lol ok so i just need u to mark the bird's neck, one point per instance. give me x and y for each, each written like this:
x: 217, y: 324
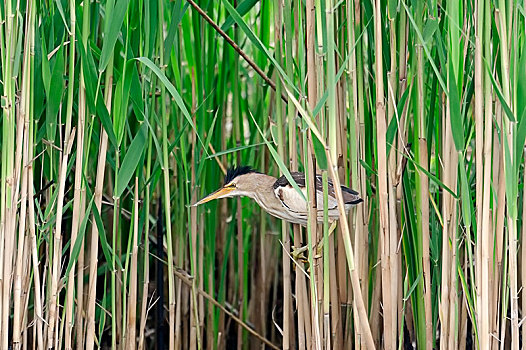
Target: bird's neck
x: 264, y: 185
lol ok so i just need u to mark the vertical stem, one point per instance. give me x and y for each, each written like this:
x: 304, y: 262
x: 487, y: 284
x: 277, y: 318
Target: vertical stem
x: 281, y: 151
x: 383, y: 200
x: 101, y: 165
x: 132, y: 296
x: 312, y: 84
x: 166, y: 188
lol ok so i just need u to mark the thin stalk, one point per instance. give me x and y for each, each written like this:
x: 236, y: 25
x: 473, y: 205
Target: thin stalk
x: 24, y: 111
x: 7, y: 176
x: 383, y: 200
x: 312, y: 234
x: 166, y: 191
x: 509, y: 130
x: 99, y: 183
x: 146, y: 263
x: 326, y: 258
x: 281, y: 152
x: 57, y: 242
x: 132, y: 296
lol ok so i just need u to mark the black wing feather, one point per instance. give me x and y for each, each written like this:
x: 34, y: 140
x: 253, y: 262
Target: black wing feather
x: 349, y: 196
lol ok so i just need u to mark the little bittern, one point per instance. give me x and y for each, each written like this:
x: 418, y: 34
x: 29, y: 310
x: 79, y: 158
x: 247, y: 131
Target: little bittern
x: 277, y: 196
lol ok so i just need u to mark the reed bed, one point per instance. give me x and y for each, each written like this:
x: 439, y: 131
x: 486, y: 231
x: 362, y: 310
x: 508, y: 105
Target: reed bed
x: 117, y: 115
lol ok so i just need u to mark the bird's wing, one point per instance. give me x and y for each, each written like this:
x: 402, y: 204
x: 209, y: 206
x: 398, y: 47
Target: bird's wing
x: 288, y: 196
x: 288, y: 192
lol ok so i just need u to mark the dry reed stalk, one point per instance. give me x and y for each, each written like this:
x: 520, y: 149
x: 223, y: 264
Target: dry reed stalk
x: 312, y: 99
x: 336, y: 331
x: 132, y: 296
x: 278, y: 39
x: 401, y: 137
x: 462, y: 327
x: 38, y: 315
x: 26, y: 285
x: 17, y: 283
x: 7, y: 149
x: 340, y: 293
x: 146, y: 266
x: 316, y: 340
x: 24, y: 111
x: 424, y: 201
x: 57, y: 243
x: 500, y: 204
x: 483, y: 118
x: 362, y: 312
x: 94, y: 240
x: 392, y: 183
x: 509, y: 131
x: 77, y: 217
x: 81, y: 192
x: 197, y: 254
x: 166, y: 191
x: 446, y: 214
x: 481, y: 256
x: 293, y: 166
x: 453, y: 297
x: 383, y: 198
x: 357, y: 172
x: 449, y: 287
x: 321, y: 119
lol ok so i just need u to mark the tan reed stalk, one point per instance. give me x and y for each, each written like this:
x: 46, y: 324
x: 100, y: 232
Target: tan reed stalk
x: 132, y: 295
x: 38, y: 314
x: 483, y: 157
x: 166, y: 189
x: 146, y: 266
x: 79, y: 193
x: 446, y: 214
x: 356, y: 147
x: 483, y: 319
x: 293, y: 166
x: 423, y: 201
x: 57, y: 244
x: 488, y: 222
x: 278, y: 39
x: 195, y: 248
x: 383, y: 199
x: 94, y: 240
x: 500, y: 204
x: 350, y: 261
x: 24, y: 117
x: 509, y: 130
x: 312, y: 99
x: 392, y: 183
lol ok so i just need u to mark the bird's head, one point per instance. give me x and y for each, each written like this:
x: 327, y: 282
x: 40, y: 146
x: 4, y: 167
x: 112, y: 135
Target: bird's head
x: 239, y: 181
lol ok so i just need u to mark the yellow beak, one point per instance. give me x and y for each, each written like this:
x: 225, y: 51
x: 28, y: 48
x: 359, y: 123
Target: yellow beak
x: 220, y: 193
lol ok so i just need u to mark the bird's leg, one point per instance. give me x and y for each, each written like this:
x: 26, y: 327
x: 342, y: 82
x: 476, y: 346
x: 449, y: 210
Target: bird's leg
x: 297, y: 253
x: 319, y: 246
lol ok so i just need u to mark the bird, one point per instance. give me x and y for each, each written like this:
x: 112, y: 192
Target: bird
x: 278, y: 197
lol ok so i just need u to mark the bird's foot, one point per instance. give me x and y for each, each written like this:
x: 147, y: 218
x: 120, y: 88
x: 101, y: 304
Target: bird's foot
x: 297, y: 253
